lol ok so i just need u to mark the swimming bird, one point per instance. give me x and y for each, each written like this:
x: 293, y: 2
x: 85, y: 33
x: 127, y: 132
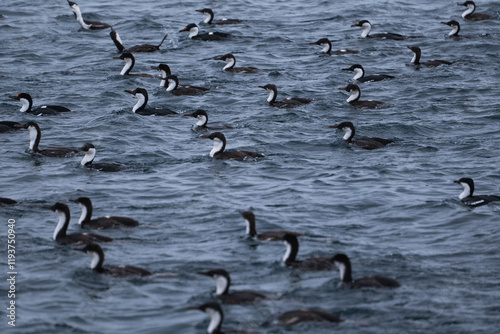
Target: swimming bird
x: 251, y: 230
x: 306, y: 315
x: 35, y: 136
x: 201, y: 124
x: 468, y: 14
x: 4, y: 201
x: 327, y: 47
x: 430, y: 63
x: 209, y: 36
x: 88, y: 160
x: 164, y: 70
x: 27, y: 106
x: 100, y: 223
x: 360, y: 74
x: 9, y: 126
x: 223, y: 282
x: 311, y: 264
x: 97, y: 254
x: 86, y: 24
x: 142, y: 101
x: 455, y: 28
x: 172, y: 85
x: 290, y: 102
x: 209, y: 18
x: 231, y: 61
x: 343, y: 263
x: 129, y: 60
x: 367, y: 27
x: 467, y: 196
x: 60, y: 235
x: 216, y: 315
x: 138, y: 48
x: 218, y: 152
x: 353, y: 99
x: 366, y: 143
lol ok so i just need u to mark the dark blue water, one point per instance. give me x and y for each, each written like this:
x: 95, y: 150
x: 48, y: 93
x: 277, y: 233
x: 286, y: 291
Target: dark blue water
x: 394, y: 211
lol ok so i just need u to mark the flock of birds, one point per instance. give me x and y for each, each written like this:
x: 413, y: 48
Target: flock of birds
x: 171, y: 84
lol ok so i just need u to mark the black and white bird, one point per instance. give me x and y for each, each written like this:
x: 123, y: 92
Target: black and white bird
x: 311, y: 264
x: 135, y: 49
x: 214, y: 311
x: 467, y: 196
x: 306, y: 315
x: 35, y: 136
x: 367, y: 27
x: 455, y: 28
x: 231, y: 61
x: 97, y: 254
x: 60, y: 234
x: 251, y: 230
x: 86, y: 24
x: 209, y: 36
x: 129, y: 60
x: 430, y: 63
x: 218, y: 152
x: 327, y: 47
x: 141, y: 107
x: 27, y: 106
x: 354, y: 100
x: 209, y: 18
x: 366, y: 143
x: 164, y: 70
x: 290, y: 102
x: 223, y: 282
x: 6, y: 126
x: 468, y: 14
x: 201, y: 125
x: 359, y: 74
x: 100, y: 223
x: 88, y: 160
x: 172, y: 85
x: 343, y: 264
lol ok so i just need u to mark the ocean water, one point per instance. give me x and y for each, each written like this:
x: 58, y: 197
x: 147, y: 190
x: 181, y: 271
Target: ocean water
x: 394, y: 211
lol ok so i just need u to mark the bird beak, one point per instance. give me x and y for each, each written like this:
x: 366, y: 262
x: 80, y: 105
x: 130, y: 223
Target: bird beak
x: 46, y: 207
x: 116, y: 58
x: 155, y: 68
x: 13, y: 96
x: 334, y: 127
x: 346, y: 69
x: 355, y: 25
x: 19, y: 126
x: 192, y: 308
x: 79, y: 249
x: 206, y: 137
x: 203, y: 273
x: 185, y: 29
x: 443, y: 23
x: 261, y: 87
x: 313, y: 43
x: 409, y: 47
x: 342, y: 88
x: 456, y: 181
x: 73, y: 200
x: 130, y: 91
x: 218, y: 58
x: 188, y: 115
x: 79, y: 149
x: 199, y: 10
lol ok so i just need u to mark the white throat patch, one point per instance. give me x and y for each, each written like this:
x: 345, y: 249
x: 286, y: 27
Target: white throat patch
x: 367, y: 27
x: 128, y: 65
x: 88, y: 157
x: 221, y: 284
x: 193, y: 32
x: 33, y: 134
x: 171, y: 85
x: 95, y: 259
x: 201, y: 120
x: 140, y: 102
x: 60, y: 223
x: 217, y: 146
x: 215, y: 319
x: 466, y: 192
x: 354, y: 95
x: 25, y: 106
x: 341, y: 268
x: 230, y: 63
x: 359, y: 73
x: 288, y: 251
x: 348, y: 133
x: 84, y: 213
